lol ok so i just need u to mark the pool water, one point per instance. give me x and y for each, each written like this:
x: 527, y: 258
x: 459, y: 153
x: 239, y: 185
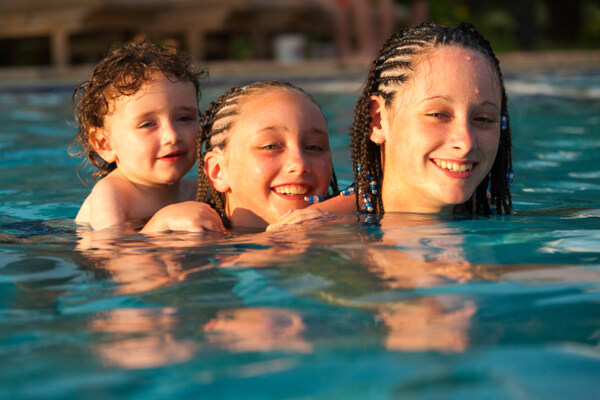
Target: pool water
x: 419, y: 307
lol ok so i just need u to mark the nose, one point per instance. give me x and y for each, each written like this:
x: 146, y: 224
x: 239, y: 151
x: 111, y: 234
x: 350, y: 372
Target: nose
x: 297, y: 161
x: 170, y: 133
x: 463, y: 136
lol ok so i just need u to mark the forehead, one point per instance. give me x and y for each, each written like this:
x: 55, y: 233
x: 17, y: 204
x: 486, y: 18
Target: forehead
x: 156, y: 83
x: 274, y: 95
x: 454, y: 69
x: 445, y: 64
x: 280, y: 104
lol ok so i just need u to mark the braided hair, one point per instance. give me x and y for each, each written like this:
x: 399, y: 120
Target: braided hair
x: 215, y: 125
x: 393, y: 66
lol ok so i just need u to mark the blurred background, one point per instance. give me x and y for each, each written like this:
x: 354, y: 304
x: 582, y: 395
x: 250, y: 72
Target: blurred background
x: 60, y: 35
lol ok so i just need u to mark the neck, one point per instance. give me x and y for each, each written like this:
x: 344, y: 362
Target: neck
x: 244, y: 220
x: 159, y: 194
x: 394, y: 200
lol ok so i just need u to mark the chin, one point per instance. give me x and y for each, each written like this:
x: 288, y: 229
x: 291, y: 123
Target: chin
x: 457, y: 199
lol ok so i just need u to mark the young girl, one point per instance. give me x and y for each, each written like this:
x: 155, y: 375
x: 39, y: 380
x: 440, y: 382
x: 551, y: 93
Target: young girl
x: 264, y: 148
x: 137, y: 122
x: 431, y: 132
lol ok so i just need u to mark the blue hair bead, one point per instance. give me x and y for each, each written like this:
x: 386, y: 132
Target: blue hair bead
x: 372, y: 184
x: 367, y: 202
x: 504, y: 121
x: 314, y: 199
x: 510, y: 175
x: 348, y: 191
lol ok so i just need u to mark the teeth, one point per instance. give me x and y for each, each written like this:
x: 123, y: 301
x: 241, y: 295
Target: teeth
x: 291, y: 190
x: 453, y: 167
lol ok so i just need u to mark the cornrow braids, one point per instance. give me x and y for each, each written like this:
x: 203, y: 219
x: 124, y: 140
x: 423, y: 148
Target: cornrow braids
x: 122, y: 72
x: 218, y: 120
x: 394, y: 65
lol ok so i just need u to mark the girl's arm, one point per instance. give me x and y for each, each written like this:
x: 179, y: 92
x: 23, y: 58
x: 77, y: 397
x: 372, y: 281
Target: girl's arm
x: 338, y: 205
x: 191, y: 216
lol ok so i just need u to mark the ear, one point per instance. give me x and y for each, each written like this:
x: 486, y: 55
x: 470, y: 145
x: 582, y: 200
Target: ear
x: 100, y: 141
x: 215, y: 171
x: 378, y: 114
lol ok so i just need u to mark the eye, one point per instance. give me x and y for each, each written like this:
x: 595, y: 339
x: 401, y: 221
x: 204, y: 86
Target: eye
x: 316, y: 147
x: 438, y: 115
x: 485, y: 119
x: 147, y: 124
x: 270, y: 146
x: 185, y: 118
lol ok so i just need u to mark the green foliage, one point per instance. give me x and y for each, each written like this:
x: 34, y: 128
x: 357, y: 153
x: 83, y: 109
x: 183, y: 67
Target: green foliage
x: 518, y: 24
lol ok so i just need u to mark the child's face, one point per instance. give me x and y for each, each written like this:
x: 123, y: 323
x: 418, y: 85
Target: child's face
x: 442, y: 133
x: 277, y: 153
x: 151, y: 135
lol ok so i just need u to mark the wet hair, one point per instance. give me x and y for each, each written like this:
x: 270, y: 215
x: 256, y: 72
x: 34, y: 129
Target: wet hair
x: 216, y: 123
x: 122, y: 72
x: 394, y: 65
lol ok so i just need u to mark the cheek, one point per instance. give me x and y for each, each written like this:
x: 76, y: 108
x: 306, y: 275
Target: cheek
x: 250, y: 171
x: 324, y: 169
x: 490, y: 145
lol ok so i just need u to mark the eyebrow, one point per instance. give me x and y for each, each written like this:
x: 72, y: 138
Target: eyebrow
x: 190, y: 108
x: 178, y: 108
x: 448, y: 99
x: 275, y: 128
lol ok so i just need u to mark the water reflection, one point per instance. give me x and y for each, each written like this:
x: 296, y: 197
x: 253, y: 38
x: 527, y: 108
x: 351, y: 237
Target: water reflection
x: 258, y: 329
x: 406, y: 278
x: 140, y: 338
x: 145, y: 336
x: 414, y: 252
x: 428, y: 324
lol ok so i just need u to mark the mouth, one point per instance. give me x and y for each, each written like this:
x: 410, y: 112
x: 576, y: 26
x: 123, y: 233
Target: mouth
x: 175, y: 156
x: 454, y: 166
x: 292, y: 190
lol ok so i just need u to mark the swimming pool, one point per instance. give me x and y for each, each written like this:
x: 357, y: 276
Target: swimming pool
x: 406, y: 307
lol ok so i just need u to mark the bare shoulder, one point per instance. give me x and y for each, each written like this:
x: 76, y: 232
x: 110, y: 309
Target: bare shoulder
x: 108, y: 203
x: 83, y: 215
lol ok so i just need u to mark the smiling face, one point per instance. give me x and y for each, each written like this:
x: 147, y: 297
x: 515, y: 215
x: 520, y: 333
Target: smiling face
x: 440, y: 135
x: 151, y: 135
x: 277, y: 153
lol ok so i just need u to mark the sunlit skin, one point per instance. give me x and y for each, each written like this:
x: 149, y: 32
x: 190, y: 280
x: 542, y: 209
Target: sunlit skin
x: 152, y: 133
x: 440, y: 136
x: 277, y: 153
x: 151, y: 136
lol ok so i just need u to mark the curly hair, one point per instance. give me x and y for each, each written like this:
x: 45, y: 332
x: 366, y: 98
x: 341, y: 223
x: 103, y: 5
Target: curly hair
x: 393, y: 66
x: 218, y: 119
x: 122, y: 72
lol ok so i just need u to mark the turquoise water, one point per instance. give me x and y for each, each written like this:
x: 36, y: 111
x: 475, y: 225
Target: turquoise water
x: 405, y: 307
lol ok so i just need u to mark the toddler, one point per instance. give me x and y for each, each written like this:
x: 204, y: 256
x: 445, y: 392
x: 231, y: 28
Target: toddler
x: 137, y: 121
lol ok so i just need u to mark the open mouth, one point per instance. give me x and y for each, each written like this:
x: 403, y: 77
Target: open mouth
x: 292, y: 190
x: 454, y: 167
x: 173, y: 156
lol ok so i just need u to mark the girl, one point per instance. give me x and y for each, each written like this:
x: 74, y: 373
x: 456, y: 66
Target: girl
x: 264, y: 148
x: 431, y: 132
